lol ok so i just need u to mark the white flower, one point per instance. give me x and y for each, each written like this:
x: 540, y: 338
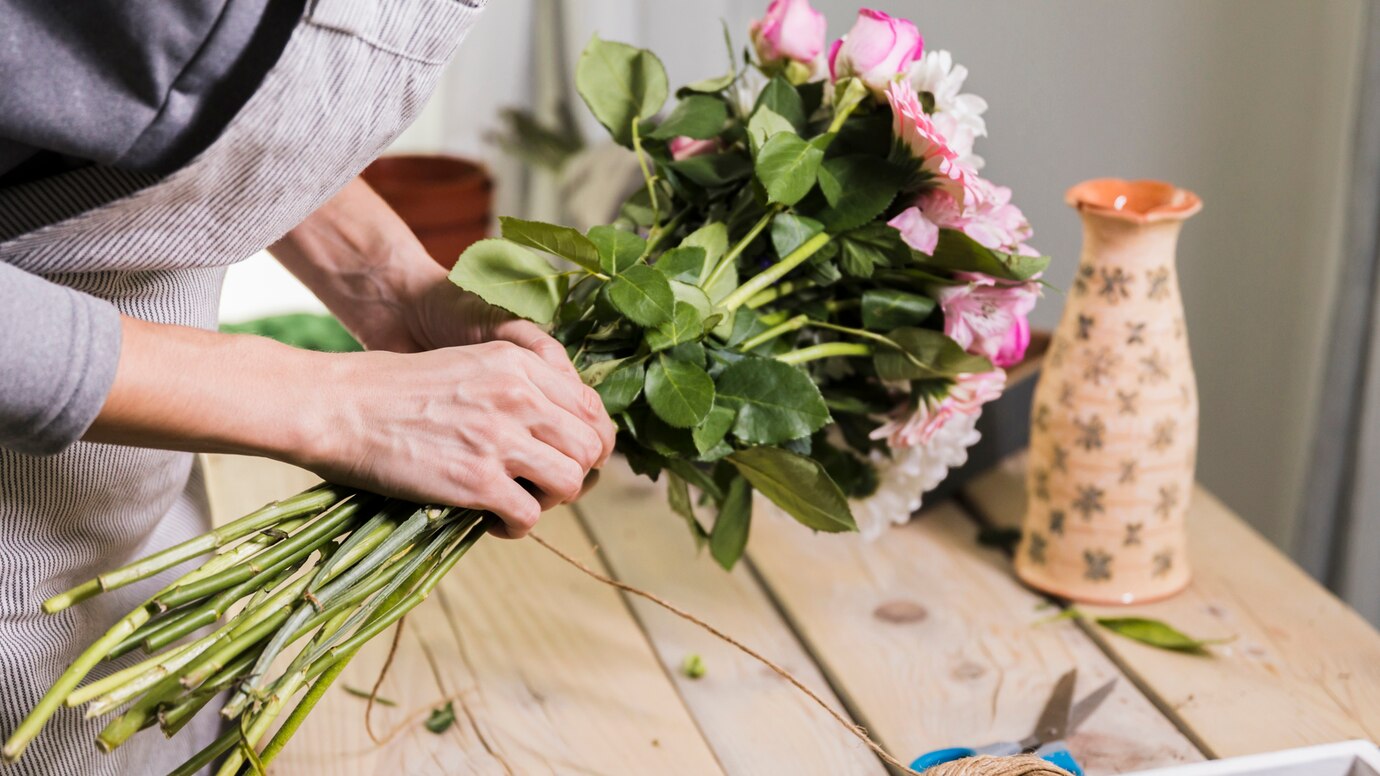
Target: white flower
x: 958, y: 116
x: 909, y: 472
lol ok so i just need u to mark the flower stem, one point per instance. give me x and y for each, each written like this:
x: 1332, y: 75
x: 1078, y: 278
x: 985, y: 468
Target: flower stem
x: 793, y: 324
x: 646, y: 174
x: 776, y: 292
x: 775, y: 272
x: 733, y: 253
x: 659, y: 233
x: 826, y: 350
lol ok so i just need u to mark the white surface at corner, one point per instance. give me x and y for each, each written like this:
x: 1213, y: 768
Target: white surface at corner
x: 259, y: 286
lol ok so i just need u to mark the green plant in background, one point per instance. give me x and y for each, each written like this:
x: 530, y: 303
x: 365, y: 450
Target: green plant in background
x: 310, y: 331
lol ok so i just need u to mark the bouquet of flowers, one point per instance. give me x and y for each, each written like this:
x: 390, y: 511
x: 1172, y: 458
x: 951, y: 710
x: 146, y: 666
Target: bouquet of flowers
x: 811, y: 298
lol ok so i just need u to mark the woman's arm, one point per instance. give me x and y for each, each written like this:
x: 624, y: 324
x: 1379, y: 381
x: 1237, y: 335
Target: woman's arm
x: 359, y: 258
x: 455, y: 425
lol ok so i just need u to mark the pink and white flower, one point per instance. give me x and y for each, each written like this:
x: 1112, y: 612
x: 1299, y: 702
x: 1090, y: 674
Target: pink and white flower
x: 989, y: 318
x: 877, y: 50
x: 921, y: 140
x: 914, y: 427
x: 989, y: 218
x: 790, y: 31
x: 958, y: 116
x: 682, y: 147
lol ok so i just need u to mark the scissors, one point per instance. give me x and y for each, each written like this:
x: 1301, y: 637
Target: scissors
x: 1059, y: 719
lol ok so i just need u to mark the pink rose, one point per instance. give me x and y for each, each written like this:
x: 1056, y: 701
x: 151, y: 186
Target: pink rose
x: 980, y: 314
x: 683, y: 147
x: 967, y: 394
x: 791, y: 29
x: 876, y: 50
x: 916, y: 137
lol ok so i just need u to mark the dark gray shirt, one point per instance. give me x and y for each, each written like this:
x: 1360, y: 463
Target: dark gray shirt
x: 135, y: 85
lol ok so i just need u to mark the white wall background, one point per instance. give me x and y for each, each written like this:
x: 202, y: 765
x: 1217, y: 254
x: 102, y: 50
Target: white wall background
x: 1247, y: 102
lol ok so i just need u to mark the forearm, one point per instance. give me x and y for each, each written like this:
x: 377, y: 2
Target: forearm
x: 364, y: 263
x: 180, y: 388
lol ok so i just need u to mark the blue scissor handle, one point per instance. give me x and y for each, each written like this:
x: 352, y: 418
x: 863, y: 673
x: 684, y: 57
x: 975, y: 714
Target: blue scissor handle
x: 1056, y: 753
x: 941, y: 756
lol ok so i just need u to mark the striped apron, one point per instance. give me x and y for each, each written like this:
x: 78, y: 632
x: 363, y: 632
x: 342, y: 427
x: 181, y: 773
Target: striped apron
x: 353, y: 74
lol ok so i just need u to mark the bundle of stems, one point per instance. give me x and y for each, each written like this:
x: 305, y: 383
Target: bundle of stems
x: 312, y: 577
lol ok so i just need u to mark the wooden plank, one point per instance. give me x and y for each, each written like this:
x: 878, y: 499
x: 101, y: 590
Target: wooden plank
x: 932, y: 643
x: 1304, y: 668
x: 755, y: 721
x: 547, y: 669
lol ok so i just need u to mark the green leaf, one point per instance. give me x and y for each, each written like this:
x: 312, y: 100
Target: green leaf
x: 508, y: 275
x: 1154, y: 633
x: 729, y: 537
x: 617, y: 249
x: 957, y: 251
x: 697, y: 116
x: 621, y: 84
x: 775, y: 402
x: 692, y: 666
x: 713, y: 238
x: 711, y: 85
x: 597, y: 372
x: 782, y: 99
x: 866, y: 247
x: 858, y: 188
x: 678, y: 498
x: 798, y: 485
x: 925, y: 354
x: 682, y: 263
x: 709, y: 434
x: 693, y: 296
x: 884, y: 309
x: 713, y: 171
x: 790, y: 231
x: 557, y: 240
x: 787, y: 167
x: 620, y: 388
x: 679, y: 392
x: 765, y: 123
x: 441, y: 719
x: 686, y: 325
x: 643, y: 295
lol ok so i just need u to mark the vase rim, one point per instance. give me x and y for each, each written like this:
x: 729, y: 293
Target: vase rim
x: 1139, y: 201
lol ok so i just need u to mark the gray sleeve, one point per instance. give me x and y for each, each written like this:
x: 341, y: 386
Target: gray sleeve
x: 58, y: 353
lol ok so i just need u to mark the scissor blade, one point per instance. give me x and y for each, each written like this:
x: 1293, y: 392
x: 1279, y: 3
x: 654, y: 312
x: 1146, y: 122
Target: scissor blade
x: 1054, y: 720
x: 1085, y: 707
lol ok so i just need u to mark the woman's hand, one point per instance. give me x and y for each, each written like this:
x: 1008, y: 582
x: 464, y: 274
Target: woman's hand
x: 461, y: 426
x: 457, y: 425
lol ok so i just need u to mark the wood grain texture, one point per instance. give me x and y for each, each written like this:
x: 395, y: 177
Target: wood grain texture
x: 239, y: 484
x: 932, y: 643
x: 755, y: 721
x: 1303, y: 668
x: 547, y: 669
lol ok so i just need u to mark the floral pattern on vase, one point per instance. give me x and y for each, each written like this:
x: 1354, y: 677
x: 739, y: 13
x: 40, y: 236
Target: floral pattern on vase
x: 1114, y: 423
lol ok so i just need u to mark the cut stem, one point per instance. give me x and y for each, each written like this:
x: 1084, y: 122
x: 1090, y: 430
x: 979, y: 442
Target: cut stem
x: 826, y: 350
x: 775, y: 272
x: 794, y: 324
x: 732, y: 255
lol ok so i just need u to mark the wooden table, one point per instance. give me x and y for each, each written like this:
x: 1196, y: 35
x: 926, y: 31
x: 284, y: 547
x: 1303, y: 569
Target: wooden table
x: 924, y: 637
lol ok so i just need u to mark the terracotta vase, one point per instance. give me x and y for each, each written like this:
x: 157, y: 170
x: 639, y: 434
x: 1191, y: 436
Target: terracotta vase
x: 446, y: 200
x: 1114, y: 423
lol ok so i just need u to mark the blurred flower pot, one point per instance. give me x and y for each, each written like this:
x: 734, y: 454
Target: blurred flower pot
x: 446, y: 200
x: 1114, y: 427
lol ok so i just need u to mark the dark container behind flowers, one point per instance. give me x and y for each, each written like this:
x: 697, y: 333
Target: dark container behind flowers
x: 1004, y: 424
x: 446, y: 200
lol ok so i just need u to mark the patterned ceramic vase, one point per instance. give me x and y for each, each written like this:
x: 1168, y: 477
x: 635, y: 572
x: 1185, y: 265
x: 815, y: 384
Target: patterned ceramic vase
x: 1114, y: 424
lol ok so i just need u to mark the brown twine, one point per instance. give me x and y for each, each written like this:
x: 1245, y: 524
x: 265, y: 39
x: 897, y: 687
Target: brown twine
x: 1017, y: 765
x: 848, y: 725
x: 383, y: 672
x: 986, y: 765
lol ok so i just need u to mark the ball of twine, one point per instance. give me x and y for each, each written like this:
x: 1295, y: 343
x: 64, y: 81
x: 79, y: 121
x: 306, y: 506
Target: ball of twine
x: 986, y: 765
